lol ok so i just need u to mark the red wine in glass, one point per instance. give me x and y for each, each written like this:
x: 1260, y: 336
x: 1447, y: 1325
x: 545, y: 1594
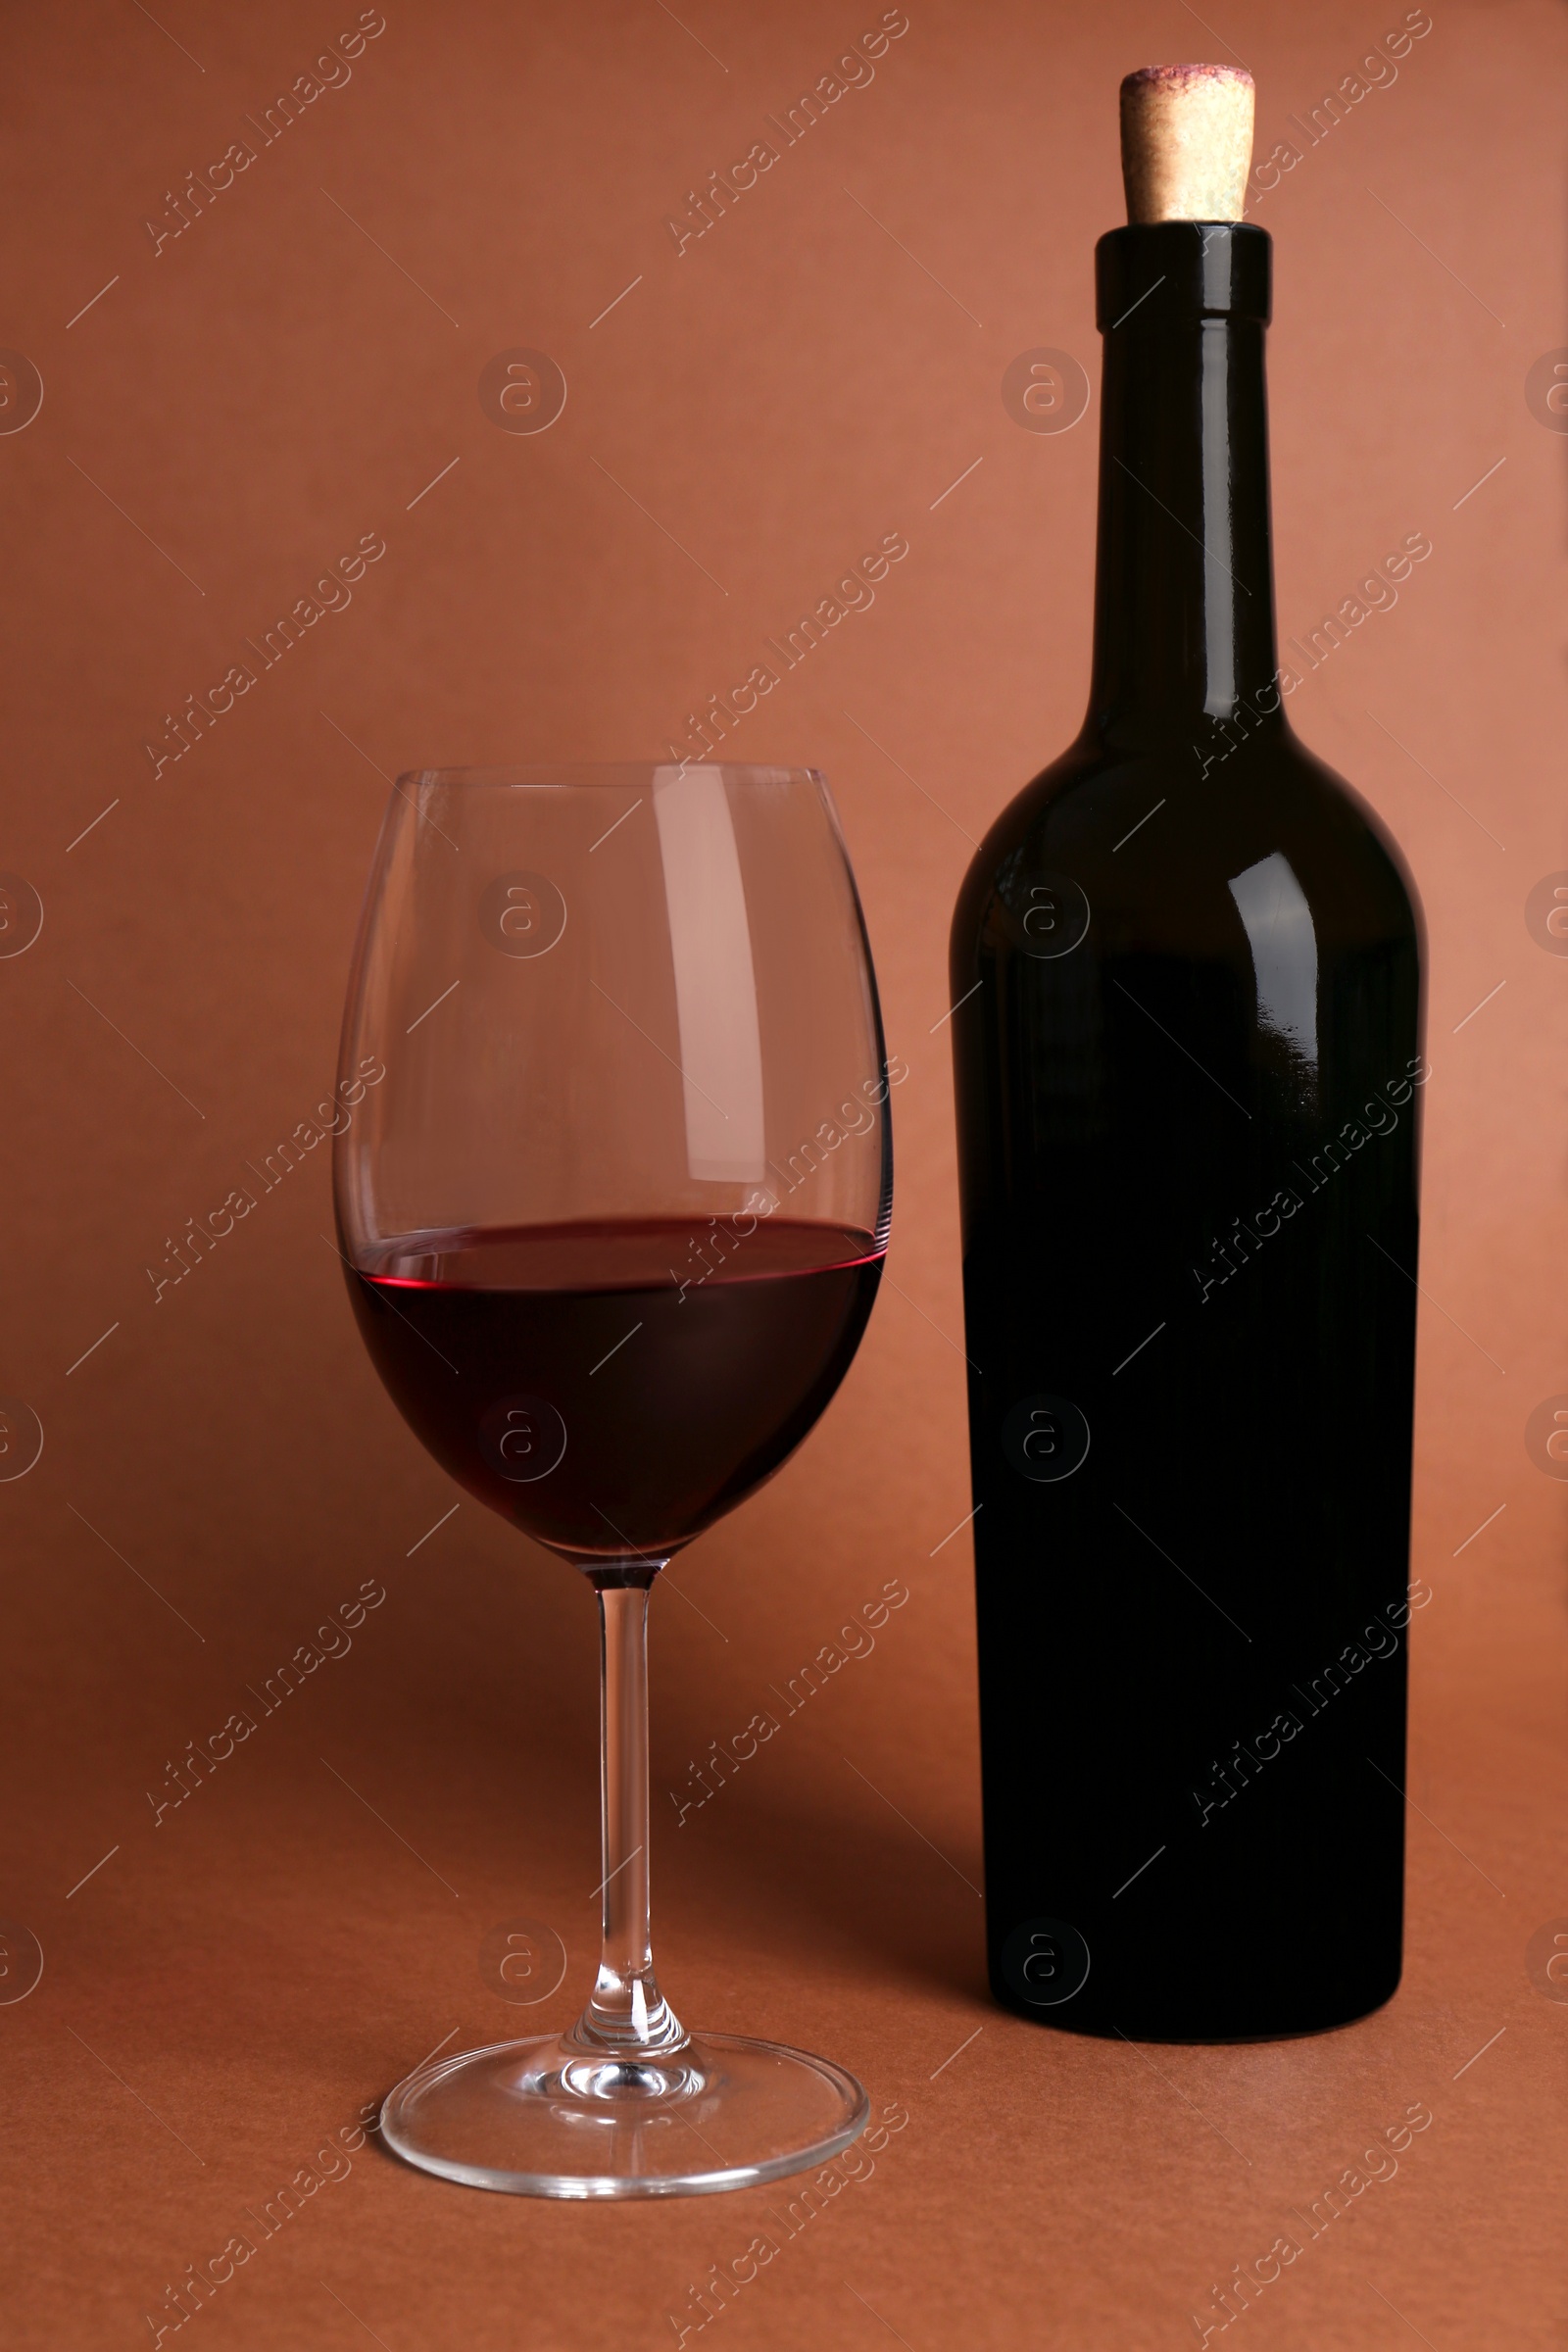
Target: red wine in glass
x: 614, y: 1220
x: 576, y: 1379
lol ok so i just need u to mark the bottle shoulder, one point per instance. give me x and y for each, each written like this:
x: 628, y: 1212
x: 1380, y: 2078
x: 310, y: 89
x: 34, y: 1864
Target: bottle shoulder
x: 1157, y: 841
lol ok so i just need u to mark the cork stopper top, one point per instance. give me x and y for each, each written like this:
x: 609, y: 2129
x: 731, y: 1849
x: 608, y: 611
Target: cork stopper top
x: 1186, y: 143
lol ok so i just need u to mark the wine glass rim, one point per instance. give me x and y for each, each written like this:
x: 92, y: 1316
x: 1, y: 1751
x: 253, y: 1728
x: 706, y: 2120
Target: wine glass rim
x: 569, y: 775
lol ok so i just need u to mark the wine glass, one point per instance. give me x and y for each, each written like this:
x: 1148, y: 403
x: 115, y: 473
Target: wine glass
x: 614, y: 1203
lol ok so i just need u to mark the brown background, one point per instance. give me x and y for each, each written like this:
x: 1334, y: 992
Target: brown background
x: 235, y: 1983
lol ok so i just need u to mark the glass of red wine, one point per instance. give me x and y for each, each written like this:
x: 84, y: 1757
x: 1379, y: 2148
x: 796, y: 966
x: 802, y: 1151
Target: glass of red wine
x: 614, y: 1211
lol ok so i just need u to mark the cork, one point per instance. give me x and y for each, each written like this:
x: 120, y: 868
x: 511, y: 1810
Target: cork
x: 1186, y: 143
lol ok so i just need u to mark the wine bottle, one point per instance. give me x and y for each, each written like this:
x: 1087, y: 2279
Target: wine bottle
x: 1186, y: 964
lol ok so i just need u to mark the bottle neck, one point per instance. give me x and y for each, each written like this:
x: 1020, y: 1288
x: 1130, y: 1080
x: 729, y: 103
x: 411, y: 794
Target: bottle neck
x: 1184, y: 600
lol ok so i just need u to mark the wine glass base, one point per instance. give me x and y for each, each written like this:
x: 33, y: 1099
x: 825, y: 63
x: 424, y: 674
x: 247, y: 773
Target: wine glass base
x: 545, y: 2117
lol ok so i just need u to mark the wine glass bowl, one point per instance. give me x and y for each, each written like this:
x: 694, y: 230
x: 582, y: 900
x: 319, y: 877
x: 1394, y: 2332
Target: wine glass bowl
x: 614, y: 1223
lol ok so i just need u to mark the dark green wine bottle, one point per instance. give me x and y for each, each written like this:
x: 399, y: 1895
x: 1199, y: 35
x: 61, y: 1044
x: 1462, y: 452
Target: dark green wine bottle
x: 1188, y: 1063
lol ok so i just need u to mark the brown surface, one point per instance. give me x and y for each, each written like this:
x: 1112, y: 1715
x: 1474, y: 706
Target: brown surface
x: 783, y: 392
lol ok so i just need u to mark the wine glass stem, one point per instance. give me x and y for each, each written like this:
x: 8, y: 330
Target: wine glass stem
x: 626, y: 2012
